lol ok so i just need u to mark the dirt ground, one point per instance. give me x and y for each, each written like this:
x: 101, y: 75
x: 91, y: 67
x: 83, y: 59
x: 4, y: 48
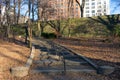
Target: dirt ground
x: 11, y: 55
x: 99, y: 51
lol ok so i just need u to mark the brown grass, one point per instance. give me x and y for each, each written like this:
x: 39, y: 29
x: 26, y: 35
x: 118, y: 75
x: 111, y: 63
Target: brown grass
x: 11, y: 55
x: 97, y: 50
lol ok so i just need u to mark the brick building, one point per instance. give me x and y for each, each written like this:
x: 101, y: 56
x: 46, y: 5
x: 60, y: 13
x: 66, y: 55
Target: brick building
x: 58, y: 9
x: 62, y: 9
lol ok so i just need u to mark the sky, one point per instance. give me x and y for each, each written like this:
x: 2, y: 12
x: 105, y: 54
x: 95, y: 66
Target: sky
x: 115, y: 6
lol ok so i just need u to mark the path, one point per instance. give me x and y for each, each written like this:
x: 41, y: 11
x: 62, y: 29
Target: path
x: 51, y: 57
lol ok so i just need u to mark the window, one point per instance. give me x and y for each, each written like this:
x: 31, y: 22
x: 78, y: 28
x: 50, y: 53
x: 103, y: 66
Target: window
x: 86, y: 0
x: 99, y: 2
x: 76, y: 4
x: 93, y: 7
x: 76, y: 8
x: 98, y: 10
x: 93, y: 11
x: 87, y: 11
x: 99, y: 6
x: 87, y: 3
x: 87, y: 7
x: 93, y: 3
x: 104, y: 2
x: 104, y: 10
x: 104, y: 6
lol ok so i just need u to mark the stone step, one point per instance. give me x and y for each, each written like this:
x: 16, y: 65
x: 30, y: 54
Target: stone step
x: 71, y: 62
x: 55, y: 61
x: 43, y: 57
x: 62, y: 70
x: 44, y: 53
x: 71, y: 57
x: 55, y: 57
x: 49, y: 62
x: 46, y: 56
x: 47, y: 67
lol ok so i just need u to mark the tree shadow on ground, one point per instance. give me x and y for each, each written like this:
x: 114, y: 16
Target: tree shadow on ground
x: 114, y: 76
x: 8, y: 57
x: 99, y: 43
x: 10, y: 49
x: 18, y: 42
x: 80, y: 76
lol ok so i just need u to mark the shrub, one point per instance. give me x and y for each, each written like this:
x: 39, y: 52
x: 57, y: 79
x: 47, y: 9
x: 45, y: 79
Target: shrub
x: 48, y: 35
x: 117, y: 30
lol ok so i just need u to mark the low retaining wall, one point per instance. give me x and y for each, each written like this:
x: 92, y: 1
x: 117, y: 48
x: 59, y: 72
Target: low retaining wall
x: 23, y: 71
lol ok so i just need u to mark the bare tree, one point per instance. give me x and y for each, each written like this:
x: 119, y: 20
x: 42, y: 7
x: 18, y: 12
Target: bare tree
x: 15, y: 4
x: 55, y: 25
x: 81, y: 4
x: 0, y: 13
x: 45, y: 11
x: 19, y: 8
x: 7, y: 8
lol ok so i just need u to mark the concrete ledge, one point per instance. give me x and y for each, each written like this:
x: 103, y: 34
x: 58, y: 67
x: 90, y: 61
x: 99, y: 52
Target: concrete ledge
x: 61, y: 70
x: 107, y: 69
x: 23, y: 71
x: 30, y: 59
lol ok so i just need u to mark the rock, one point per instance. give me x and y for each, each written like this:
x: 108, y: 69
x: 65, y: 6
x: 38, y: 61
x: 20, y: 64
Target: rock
x: 19, y: 71
x: 43, y: 57
x: 55, y: 57
x: 44, y: 53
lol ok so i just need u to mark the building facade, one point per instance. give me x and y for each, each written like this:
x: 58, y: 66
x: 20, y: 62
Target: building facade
x: 2, y: 13
x: 62, y: 9
x: 96, y: 8
x: 59, y: 10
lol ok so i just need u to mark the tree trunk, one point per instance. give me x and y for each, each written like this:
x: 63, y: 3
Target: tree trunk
x: 8, y: 32
x: 82, y: 11
x: 30, y: 34
x: 26, y: 34
x: 69, y: 32
x: 33, y: 10
x: 14, y: 11
x: 19, y: 6
x: 39, y: 29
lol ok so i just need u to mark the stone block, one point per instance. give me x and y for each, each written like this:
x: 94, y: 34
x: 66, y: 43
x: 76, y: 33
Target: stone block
x: 19, y: 71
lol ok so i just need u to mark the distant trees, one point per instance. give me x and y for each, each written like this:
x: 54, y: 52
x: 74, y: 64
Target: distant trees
x: 10, y: 18
x: 45, y: 11
x: 56, y: 25
x: 112, y: 23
